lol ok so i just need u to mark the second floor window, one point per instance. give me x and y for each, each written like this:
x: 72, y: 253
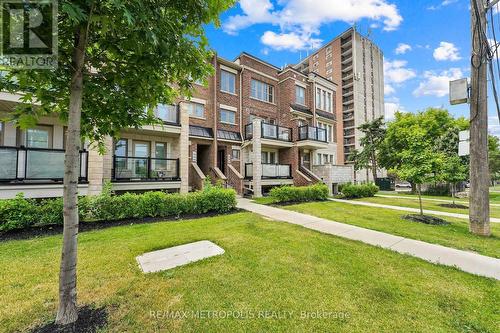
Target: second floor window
x: 300, y: 95
x: 262, y: 91
x: 329, y: 131
x: 227, y: 116
x: 196, y: 110
x: 227, y: 82
x: 167, y: 113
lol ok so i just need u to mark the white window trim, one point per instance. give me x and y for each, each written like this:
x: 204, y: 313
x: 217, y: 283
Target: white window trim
x: 226, y: 122
x: 229, y: 69
x: 228, y: 107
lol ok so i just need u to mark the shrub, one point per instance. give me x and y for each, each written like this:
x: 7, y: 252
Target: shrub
x: 438, y: 189
x: 352, y: 191
x: 300, y: 193
x: 20, y: 212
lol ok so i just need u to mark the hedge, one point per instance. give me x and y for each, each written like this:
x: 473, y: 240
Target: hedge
x: 21, y: 213
x: 285, y: 194
x: 352, y: 191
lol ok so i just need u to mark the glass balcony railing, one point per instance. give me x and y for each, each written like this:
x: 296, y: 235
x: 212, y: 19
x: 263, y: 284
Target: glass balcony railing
x: 307, y: 132
x: 270, y: 131
x: 145, y: 168
x: 20, y: 164
x: 270, y: 171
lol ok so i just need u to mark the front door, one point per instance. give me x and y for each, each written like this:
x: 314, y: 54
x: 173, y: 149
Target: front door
x: 141, y: 154
x: 305, y: 159
x: 221, y: 160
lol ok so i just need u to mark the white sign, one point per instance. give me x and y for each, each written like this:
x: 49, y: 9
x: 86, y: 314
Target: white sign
x: 464, y: 135
x: 464, y: 144
x: 459, y: 91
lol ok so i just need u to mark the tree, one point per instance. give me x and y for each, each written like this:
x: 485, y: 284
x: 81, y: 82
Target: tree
x: 358, y: 162
x: 117, y: 60
x: 374, y: 134
x: 494, y: 157
x: 453, y: 171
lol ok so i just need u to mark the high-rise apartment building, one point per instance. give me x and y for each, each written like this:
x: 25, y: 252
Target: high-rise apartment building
x: 355, y: 64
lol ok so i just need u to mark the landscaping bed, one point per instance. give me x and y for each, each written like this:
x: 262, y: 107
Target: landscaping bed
x: 425, y: 219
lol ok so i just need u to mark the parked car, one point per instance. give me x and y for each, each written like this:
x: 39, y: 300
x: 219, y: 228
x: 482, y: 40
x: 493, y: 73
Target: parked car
x: 403, y: 184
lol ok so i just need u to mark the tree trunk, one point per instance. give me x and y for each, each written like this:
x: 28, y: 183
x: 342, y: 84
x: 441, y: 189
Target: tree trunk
x: 374, y: 168
x: 419, y: 190
x: 453, y: 190
x: 68, y: 312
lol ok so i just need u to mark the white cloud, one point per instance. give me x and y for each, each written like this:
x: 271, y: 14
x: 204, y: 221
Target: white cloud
x: 442, y: 4
x: 446, y: 51
x: 437, y: 84
x: 396, y: 71
x: 494, y: 126
x: 305, y: 17
x: 391, y: 107
x: 388, y: 89
x: 402, y: 48
x: 289, y: 41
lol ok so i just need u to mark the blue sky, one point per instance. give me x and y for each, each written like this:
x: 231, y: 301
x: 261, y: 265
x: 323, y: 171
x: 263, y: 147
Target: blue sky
x: 425, y: 43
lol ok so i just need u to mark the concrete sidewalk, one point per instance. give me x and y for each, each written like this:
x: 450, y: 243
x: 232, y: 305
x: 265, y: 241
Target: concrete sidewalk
x: 466, y: 261
x: 408, y: 209
x: 428, y: 199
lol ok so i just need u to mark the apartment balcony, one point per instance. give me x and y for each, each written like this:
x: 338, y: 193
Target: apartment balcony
x: 144, y: 169
x: 169, y: 115
x: 271, y: 135
x: 348, y: 115
x: 347, y: 84
x: 348, y: 133
x: 311, y: 137
x: 345, y: 43
x: 346, y: 53
x: 348, y: 101
x: 346, y: 60
x: 347, y: 92
x: 349, y: 124
x: 347, y: 69
x: 20, y: 165
x: 270, y: 171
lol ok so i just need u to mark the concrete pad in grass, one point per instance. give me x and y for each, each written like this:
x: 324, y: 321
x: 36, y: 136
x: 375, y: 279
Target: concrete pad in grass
x: 177, y: 256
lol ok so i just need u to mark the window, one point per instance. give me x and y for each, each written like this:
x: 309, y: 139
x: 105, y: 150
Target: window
x: 39, y: 137
x: 300, y: 95
x: 329, y: 131
x: 227, y: 82
x: 324, y: 100
x: 268, y: 157
x: 167, y: 113
x: 141, y: 149
x: 121, y: 147
x: 227, y: 116
x: 160, y: 150
x: 235, y: 154
x: 262, y: 91
x: 196, y: 110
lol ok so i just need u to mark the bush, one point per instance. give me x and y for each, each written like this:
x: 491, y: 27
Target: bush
x: 438, y: 189
x: 299, y: 193
x: 352, y: 191
x: 20, y: 212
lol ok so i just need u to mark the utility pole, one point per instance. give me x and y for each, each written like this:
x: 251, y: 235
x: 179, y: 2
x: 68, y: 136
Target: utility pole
x: 479, y: 206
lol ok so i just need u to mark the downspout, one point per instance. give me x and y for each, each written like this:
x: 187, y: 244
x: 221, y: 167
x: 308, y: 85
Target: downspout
x: 241, y: 103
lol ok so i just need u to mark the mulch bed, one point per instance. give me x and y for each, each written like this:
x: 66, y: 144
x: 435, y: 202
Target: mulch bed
x: 426, y: 219
x: 451, y: 205
x: 89, y: 320
x: 49, y: 230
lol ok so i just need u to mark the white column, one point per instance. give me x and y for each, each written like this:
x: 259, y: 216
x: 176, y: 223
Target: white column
x: 257, y: 158
x: 184, y: 148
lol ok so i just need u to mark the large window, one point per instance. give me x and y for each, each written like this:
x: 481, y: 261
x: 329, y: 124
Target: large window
x: 167, y: 113
x: 268, y: 157
x: 227, y: 81
x: 262, y: 91
x: 39, y: 137
x: 329, y: 131
x: 227, y: 116
x: 324, y: 100
x: 196, y: 110
x: 160, y: 150
x: 121, y: 147
x: 300, y: 95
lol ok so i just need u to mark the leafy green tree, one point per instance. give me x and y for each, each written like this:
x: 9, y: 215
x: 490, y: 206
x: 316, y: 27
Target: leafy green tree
x: 453, y: 170
x: 374, y: 134
x: 117, y: 60
x: 357, y: 162
x: 494, y: 157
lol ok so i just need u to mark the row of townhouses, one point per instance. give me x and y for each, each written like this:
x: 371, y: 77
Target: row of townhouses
x: 251, y: 126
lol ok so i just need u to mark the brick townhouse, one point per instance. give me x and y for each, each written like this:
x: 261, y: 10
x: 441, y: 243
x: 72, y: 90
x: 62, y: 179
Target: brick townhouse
x: 251, y: 126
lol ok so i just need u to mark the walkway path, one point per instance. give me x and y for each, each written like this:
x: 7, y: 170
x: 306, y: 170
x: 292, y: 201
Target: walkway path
x: 408, y: 209
x: 466, y: 261
x: 427, y: 199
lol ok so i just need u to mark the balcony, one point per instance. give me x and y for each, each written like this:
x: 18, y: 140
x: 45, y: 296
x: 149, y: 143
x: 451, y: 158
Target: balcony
x: 130, y: 169
x: 311, y: 137
x: 270, y: 132
x: 270, y: 171
x: 21, y: 165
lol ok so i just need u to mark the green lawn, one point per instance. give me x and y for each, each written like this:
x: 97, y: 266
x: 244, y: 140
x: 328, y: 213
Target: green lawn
x: 427, y: 204
x: 494, y: 197
x: 455, y: 235
x: 268, y: 266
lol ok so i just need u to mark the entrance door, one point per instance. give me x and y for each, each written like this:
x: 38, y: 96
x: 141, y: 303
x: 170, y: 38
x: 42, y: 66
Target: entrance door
x: 305, y: 159
x: 221, y: 160
x: 141, y: 154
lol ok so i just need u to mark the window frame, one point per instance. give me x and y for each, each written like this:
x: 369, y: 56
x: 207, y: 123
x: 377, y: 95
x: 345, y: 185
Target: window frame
x: 192, y: 106
x: 224, y: 72
x: 303, y: 90
x: 221, y: 110
x: 262, y: 91
x: 126, y: 147
x: 50, y: 138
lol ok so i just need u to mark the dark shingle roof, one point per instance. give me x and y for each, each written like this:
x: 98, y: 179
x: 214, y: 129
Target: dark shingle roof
x: 200, y: 131
x: 228, y: 135
x: 301, y: 108
x: 324, y: 114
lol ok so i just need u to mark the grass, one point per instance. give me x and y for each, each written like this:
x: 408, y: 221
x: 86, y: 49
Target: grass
x: 267, y: 266
x: 494, y: 197
x: 430, y: 205
x: 455, y: 235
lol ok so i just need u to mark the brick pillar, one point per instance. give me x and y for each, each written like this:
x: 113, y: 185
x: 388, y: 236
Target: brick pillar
x: 99, y: 166
x: 257, y: 158
x: 184, y: 148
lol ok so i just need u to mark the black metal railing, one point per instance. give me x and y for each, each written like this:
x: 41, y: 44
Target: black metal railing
x: 22, y: 164
x: 307, y: 132
x: 270, y: 131
x: 145, y: 169
x: 270, y: 171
